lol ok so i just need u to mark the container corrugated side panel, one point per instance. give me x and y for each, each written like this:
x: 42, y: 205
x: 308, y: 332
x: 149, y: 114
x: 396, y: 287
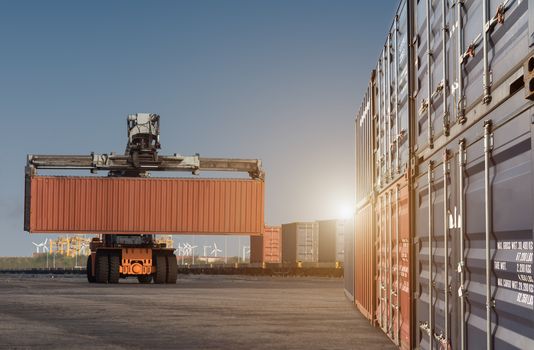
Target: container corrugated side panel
x: 393, y: 263
x: 348, y: 263
x: 256, y: 249
x: 432, y: 286
x: 365, y: 262
x: 392, y: 103
x: 272, y: 244
x: 364, y: 125
x: 508, y: 47
x: 140, y: 205
x: 327, y: 240
x: 289, y: 243
x: 307, y: 242
x: 511, y: 239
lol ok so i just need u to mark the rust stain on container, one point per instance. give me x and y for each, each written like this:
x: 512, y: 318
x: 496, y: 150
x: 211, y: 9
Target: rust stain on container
x: 145, y: 205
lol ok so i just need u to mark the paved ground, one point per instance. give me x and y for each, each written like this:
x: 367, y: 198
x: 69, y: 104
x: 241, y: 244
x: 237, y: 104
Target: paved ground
x: 199, y: 312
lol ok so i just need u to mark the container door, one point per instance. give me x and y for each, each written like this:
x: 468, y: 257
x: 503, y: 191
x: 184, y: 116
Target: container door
x: 435, y: 227
x: 365, y: 262
x: 307, y: 245
x: 382, y: 287
x: 499, y: 237
x: 402, y: 255
x: 393, y: 265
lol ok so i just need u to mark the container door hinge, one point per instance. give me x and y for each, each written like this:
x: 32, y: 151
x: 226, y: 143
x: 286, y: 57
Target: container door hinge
x: 425, y: 327
x: 488, y: 136
x: 462, y: 292
x: 461, y: 266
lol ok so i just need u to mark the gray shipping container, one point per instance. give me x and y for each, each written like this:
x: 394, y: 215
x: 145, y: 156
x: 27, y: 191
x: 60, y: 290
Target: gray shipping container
x: 453, y: 115
x: 474, y: 178
x: 300, y: 242
x: 364, y: 136
x: 454, y: 88
x: 331, y: 240
x: 486, y: 222
x: 391, y: 151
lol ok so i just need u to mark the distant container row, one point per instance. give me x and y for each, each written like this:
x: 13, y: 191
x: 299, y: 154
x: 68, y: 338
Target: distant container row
x: 301, y: 242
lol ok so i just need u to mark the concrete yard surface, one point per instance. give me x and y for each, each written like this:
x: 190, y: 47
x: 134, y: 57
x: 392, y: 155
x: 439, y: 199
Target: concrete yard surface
x: 199, y: 312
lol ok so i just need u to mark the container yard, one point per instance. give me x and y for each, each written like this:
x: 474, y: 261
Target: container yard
x: 212, y: 312
x: 292, y: 175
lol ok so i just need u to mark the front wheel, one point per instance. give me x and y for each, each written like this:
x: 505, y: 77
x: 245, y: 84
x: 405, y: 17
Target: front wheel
x: 101, y: 268
x: 172, y: 269
x: 161, y: 269
x: 114, y: 267
x: 90, y: 277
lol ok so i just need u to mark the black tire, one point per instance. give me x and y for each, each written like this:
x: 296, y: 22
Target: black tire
x: 144, y: 279
x: 172, y: 269
x: 101, y: 268
x: 89, y: 270
x: 161, y: 269
x: 114, y: 267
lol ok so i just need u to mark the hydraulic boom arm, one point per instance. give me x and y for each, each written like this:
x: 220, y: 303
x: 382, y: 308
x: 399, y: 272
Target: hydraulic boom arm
x: 113, y: 162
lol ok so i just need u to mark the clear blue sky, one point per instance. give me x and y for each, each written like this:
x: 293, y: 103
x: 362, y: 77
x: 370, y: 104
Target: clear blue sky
x: 276, y: 80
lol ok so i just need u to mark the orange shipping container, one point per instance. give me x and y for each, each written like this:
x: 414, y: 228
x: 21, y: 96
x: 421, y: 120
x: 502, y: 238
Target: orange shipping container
x: 393, y: 312
x: 365, y: 262
x: 267, y: 248
x: 116, y: 205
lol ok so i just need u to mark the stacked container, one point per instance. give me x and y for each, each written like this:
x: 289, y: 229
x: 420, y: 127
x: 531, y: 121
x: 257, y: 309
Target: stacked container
x: 364, y: 237
x: 445, y: 223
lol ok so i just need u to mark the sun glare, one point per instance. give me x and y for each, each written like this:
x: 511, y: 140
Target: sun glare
x: 345, y: 211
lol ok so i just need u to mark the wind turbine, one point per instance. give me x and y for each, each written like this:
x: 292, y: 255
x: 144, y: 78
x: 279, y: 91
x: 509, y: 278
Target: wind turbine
x: 83, y: 248
x: 215, y: 250
x: 246, y: 251
x: 45, y: 248
x: 187, y: 250
x: 40, y: 245
x: 205, y: 250
x: 180, y: 249
x: 192, y: 253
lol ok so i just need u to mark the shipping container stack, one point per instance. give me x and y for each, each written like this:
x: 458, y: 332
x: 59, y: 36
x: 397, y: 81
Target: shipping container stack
x: 443, y: 239
x: 315, y: 244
